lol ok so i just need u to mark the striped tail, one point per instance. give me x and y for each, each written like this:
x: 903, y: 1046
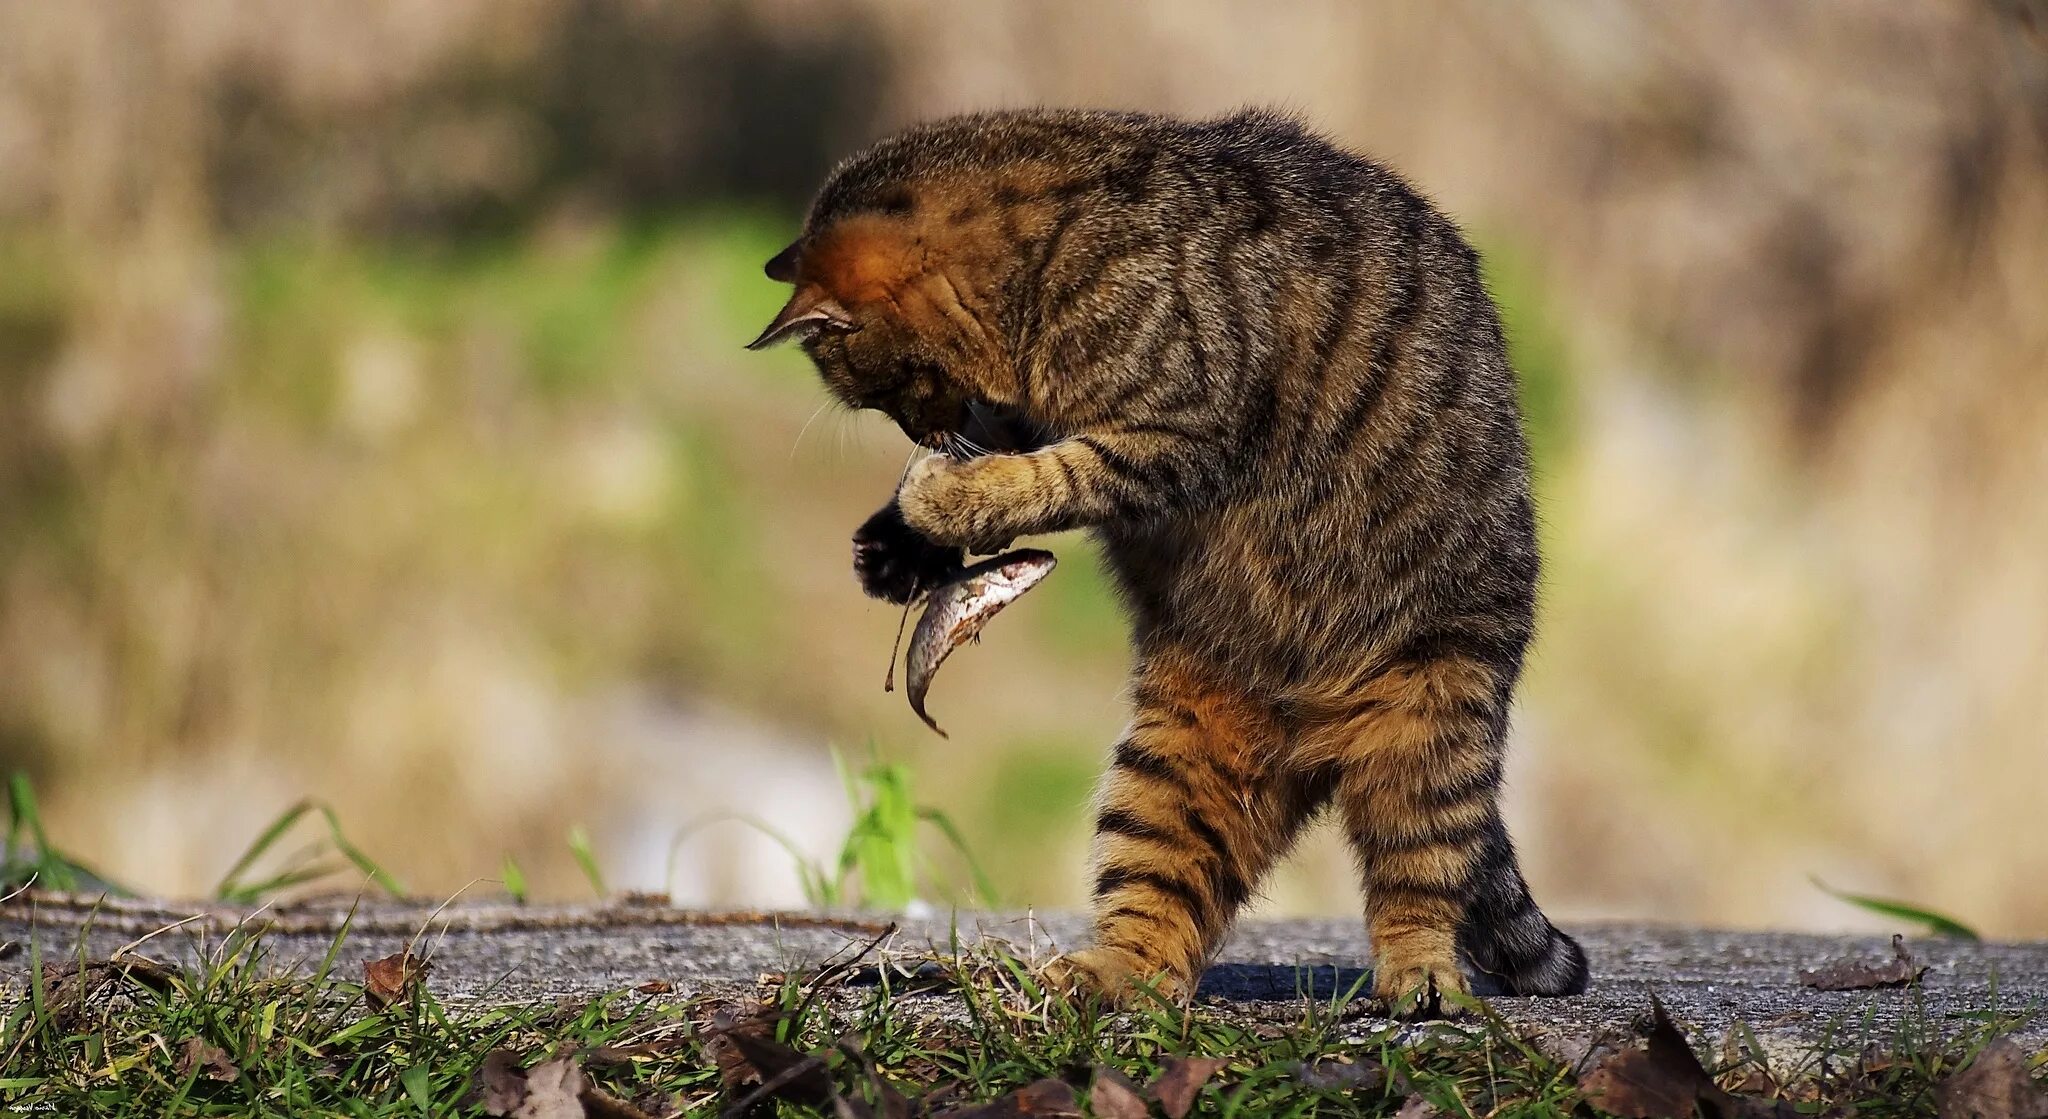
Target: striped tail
x: 1507, y: 939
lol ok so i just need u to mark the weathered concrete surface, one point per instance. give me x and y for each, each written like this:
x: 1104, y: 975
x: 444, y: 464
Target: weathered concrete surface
x: 1709, y: 980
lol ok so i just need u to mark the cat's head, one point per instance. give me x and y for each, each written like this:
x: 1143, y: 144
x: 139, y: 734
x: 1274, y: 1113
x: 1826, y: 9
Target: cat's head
x: 886, y: 307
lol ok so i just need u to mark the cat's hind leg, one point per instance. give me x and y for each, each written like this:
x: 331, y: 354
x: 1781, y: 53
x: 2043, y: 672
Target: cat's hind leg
x: 1506, y: 936
x: 1419, y: 750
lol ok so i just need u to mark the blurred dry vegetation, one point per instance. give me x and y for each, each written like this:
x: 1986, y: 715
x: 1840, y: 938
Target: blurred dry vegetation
x: 373, y: 425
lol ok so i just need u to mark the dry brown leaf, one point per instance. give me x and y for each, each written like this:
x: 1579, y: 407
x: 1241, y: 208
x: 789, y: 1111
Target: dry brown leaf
x: 554, y: 1090
x: 1115, y: 1097
x: 154, y: 974
x: 655, y: 987
x: 1663, y: 1080
x: 654, y: 1105
x: 1995, y: 1086
x: 715, y: 1030
x: 896, y: 1105
x: 1053, y: 1099
x: 1856, y: 975
x: 499, y: 1084
x: 600, y: 1104
x: 798, y: 1078
x: 394, y: 977
x: 208, y: 1059
x: 1180, y: 1080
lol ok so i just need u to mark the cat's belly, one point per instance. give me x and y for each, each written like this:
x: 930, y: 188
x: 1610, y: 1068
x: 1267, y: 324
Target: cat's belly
x: 1257, y: 605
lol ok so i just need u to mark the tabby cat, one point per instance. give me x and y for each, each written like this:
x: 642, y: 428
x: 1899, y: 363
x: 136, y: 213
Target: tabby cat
x: 1265, y: 373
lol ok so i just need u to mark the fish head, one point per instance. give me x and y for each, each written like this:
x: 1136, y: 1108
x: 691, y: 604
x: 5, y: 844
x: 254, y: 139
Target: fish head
x: 1021, y: 570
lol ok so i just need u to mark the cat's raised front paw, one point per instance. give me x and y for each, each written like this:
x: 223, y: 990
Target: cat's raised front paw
x: 942, y: 498
x: 896, y: 564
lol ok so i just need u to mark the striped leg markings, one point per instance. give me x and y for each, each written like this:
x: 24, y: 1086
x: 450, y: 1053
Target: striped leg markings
x: 1418, y: 798
x: 1192, y: 812
x: 1507, y: 936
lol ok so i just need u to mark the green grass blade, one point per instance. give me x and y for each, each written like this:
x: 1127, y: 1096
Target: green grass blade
x: 231, y: 888
x: 514, y: 879
x: 51, y: 870
x: 985, y: 890
x: 1935, y: 923
x: 22, y: 814
x: 356, y: 855
x: 46, y: 866
x: 894, y: 837
x: 579, y: 846
x: 284, y: 880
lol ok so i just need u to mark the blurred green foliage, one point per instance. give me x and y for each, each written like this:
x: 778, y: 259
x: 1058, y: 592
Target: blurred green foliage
x: 514, y: 346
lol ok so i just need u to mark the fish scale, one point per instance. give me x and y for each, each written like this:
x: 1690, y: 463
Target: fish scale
x: 956, y: 611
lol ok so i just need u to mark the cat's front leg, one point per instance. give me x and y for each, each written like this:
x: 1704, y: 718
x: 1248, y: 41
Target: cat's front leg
x: 984, y: 503
x: 979, y: 504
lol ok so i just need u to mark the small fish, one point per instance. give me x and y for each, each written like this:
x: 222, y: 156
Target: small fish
x: 956, y: 611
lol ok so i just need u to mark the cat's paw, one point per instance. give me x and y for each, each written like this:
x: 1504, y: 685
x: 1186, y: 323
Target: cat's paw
x: 1114, y: 976
x: 895, y: 563
x: 1415, y: 989
x: 943, y: 498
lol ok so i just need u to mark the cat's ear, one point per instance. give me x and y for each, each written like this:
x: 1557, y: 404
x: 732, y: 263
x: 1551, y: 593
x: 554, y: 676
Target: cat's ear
x: 782, y: 266
x: 809, y: 307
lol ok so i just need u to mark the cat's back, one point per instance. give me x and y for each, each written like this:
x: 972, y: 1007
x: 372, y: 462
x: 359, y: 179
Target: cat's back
x: 1133, y: 158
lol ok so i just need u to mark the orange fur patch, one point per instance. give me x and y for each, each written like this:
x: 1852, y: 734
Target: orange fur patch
x: 865, y: 259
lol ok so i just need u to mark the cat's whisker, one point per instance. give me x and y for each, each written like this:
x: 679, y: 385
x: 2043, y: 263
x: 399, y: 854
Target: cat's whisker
x: 798, y: 441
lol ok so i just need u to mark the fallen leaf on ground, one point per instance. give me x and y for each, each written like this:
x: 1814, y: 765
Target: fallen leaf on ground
x: 1051, y: 1098
x: 154, y: 974
x: 895, y: 1105
x: 1857, y: 975
x: 1180, y: 1080
x: 715, y: 1029
x: 1333, y: 1075
x: 499, y: 1083
x: 1995, y: 1086
x: 654, y: 1105
x: 747, y: 1056
x: 208, y: 1059
x: 600, y: 1104
x: 1115, y: 1097
x: 1417, y: 1108
x: 655, y: 987
x: 1662, y: 1080
x: 796, y: 1077
x: 554, y: 1090
x: 394, y: 977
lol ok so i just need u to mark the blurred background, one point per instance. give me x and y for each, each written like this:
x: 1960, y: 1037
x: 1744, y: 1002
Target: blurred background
x: 374, y: 427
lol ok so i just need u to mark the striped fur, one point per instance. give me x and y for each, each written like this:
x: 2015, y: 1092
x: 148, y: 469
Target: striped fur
x: 1264, y: 371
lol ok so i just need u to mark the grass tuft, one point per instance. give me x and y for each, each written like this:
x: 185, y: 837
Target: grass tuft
x: 871, y: 1032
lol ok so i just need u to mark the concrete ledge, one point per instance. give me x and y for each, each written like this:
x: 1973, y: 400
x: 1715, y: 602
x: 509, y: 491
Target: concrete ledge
x: 1710, y: 980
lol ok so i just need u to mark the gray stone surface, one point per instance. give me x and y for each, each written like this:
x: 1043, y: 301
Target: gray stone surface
x: 1710, y: 980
